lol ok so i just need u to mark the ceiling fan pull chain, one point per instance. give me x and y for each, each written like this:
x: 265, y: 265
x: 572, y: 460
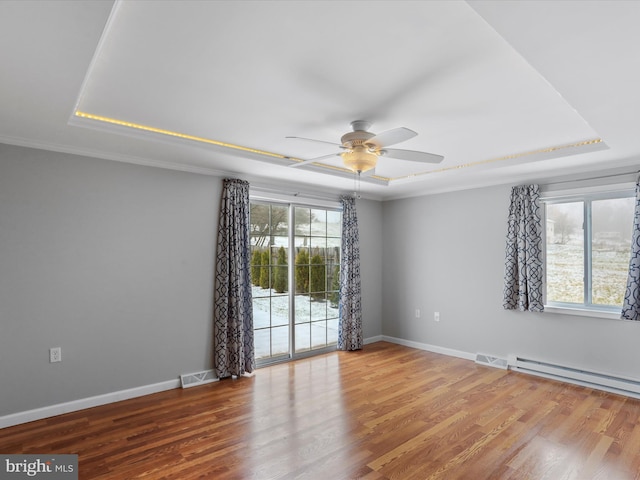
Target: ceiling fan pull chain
x: 356, y: 185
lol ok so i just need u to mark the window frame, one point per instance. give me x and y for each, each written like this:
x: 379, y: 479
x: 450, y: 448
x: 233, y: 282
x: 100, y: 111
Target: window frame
x: 586, y: 195
x: 292, y: 203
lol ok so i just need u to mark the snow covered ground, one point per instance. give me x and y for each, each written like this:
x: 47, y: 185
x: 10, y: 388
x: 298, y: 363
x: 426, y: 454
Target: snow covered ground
x: 316, y: 323
x: 565, y: 273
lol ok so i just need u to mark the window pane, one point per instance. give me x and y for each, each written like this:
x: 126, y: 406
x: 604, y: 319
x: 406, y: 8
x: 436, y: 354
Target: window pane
x: 319, y: 223
x: 280, y: 340
x: 612, y: 224
x: 259, y: 220
x: 332, y: 331
x: 318, y: 309
x: 318, y: 246
x: 267, y: 223
x: 303, y: 221
x: 280, y: 271
x: 279, y: 220
x: 303, y: 309
x: 261, y: 312
x: 333, y: 249
x: 303, y: 337
x: 565, y: 252
x: 262, y: 345
x: 334, y: 224
x: 319, y: 334
x: 301, y: 271
x: 279, y: 310
x: 301, y: 242
x: 278, y: 241
x: 317, y: 277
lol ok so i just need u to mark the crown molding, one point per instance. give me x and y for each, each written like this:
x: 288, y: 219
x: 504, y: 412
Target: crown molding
x: 87, y: 152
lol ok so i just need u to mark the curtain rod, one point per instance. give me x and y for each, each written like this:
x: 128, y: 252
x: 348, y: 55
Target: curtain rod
x: 594, y: 178
x: 313, y: 196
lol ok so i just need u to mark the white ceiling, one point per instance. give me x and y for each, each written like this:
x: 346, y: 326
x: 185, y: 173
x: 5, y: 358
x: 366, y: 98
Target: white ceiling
x: 507, y: 91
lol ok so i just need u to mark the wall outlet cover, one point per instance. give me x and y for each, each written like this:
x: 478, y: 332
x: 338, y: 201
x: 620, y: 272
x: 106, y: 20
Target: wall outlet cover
x: 55, y: 355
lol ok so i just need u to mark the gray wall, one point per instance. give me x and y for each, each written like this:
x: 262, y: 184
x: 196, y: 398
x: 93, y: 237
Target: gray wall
x: 114, y: 264
x: 111, y: 262
x: 370, y: 233
x: 445, y: 253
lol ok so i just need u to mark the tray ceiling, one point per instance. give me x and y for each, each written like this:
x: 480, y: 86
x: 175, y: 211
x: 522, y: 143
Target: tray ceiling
x: 215, y: 87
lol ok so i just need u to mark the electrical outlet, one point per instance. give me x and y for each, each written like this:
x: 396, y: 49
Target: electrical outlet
x: 417, y: 313
x: 436, y: 316
x: 55, y: 355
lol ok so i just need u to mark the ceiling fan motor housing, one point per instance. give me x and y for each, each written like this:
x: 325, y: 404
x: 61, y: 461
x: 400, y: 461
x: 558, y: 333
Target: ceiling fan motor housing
x: 352, y: 139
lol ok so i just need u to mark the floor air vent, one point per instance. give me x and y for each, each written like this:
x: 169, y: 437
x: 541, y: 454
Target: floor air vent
x: 491, y: 361
x: 198, y: 378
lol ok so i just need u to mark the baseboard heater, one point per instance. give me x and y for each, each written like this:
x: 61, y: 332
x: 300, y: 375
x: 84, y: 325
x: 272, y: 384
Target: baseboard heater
x: 598, y: 380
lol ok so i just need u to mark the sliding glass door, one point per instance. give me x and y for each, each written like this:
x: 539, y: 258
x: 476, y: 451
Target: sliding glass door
x: 295, y: 271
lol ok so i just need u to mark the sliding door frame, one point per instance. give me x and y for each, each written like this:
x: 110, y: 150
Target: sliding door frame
x: 291, y: 276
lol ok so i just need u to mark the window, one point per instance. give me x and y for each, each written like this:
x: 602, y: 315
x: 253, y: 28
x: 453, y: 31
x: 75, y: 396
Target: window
x: 588, y: 245
x: 295, y: 289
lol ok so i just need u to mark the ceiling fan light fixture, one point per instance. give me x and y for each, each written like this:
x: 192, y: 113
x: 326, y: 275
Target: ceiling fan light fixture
x: 360, y: 159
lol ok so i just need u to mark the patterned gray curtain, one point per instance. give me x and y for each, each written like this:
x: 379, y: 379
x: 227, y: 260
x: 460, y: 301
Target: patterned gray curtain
x: 631, y: 304
x: 232, y: 309
x: 523, y: 270
x: 350, y: 323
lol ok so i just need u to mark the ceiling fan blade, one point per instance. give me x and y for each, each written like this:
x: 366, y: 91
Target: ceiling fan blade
x: 412, y: 155
x: 316, y: 141
x: 391, y: 137
x: 313, y: 160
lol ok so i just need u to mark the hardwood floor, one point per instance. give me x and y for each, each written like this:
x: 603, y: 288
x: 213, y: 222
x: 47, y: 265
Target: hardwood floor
x: 387, y: 412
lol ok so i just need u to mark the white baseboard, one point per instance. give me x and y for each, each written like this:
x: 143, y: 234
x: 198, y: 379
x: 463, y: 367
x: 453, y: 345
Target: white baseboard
x: 81, y: 404
x: 430, y: 348
x: 375, y: 339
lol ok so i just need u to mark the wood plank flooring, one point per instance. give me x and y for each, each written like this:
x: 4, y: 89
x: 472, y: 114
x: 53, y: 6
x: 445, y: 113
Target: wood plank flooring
x: 387, y: 412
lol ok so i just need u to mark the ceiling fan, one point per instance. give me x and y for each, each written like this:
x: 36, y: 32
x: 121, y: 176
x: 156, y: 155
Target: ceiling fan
x: 361, y: 148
